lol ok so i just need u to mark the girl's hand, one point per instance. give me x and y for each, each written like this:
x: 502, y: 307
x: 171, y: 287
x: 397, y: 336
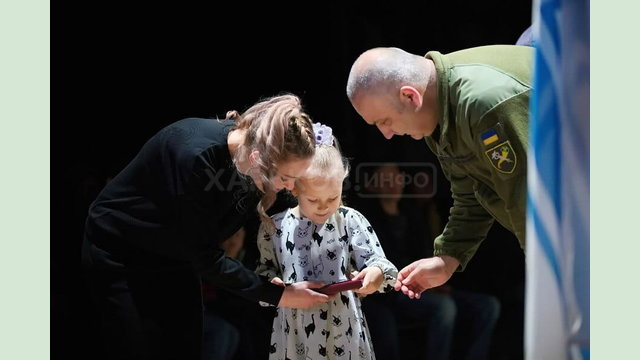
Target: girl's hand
x: 372, y: 277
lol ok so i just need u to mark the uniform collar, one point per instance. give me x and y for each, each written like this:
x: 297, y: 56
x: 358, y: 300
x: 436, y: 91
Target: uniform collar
x: 441, y: 64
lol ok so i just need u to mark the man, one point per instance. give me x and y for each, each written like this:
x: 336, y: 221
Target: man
x: 472, y: 109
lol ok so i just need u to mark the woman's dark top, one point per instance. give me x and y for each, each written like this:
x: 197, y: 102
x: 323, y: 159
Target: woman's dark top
x: 172, y: 205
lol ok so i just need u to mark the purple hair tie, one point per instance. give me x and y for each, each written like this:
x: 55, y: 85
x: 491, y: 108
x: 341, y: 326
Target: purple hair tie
x: 323, y: 134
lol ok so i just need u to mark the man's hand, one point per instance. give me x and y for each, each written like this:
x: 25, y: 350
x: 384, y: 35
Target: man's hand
x: 372, y: 278
x: 424, y: 274
x: 301, y: 296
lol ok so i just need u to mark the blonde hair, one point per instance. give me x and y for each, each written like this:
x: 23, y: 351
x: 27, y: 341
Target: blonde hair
x: 279, y: 130
x: 327, y: 163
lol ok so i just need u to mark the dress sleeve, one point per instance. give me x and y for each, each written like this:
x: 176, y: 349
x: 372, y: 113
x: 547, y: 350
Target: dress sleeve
x: 268, y: 264
x: 367, y: 251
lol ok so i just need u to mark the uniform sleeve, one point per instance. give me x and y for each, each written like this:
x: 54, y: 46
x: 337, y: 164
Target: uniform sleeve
x: 198, y: 220
x: 468, y: 222
x: 498, y: 138
x: 506, y: 159
x: 367, y: 251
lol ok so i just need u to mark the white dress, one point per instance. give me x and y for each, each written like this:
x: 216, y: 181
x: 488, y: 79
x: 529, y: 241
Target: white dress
x: 299, y: 250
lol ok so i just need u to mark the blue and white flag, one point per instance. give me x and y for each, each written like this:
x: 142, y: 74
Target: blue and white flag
x: 557, y: 293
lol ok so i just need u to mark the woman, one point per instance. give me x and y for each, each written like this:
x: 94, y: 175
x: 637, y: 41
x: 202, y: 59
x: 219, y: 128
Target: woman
x: 152, y: 233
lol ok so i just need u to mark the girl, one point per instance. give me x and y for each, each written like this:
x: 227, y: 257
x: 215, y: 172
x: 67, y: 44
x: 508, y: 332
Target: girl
x: 154, y: 231
x: 320, y: 240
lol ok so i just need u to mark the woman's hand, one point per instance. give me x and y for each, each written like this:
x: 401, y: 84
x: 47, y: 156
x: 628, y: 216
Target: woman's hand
x: 301, y: 295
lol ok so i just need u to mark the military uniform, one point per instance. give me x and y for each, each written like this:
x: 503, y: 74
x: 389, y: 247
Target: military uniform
x: 481, y: 142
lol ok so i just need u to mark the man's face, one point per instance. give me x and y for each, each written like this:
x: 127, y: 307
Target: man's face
x: 390, y: 119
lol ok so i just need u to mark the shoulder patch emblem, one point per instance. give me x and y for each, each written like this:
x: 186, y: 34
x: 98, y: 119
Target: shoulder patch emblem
x: 502, y: 157
x: 489, y: 137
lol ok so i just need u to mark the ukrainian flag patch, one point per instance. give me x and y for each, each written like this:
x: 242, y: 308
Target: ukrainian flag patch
x: 489, y: 137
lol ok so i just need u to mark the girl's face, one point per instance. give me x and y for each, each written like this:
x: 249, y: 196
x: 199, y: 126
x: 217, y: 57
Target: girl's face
x: 288, y: 172
x: 318, y: 198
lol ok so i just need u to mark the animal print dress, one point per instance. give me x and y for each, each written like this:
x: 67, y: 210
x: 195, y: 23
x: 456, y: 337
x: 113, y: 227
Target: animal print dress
x: 299, y: 250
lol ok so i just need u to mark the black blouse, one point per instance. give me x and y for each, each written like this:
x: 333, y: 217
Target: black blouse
x: 173, y: 204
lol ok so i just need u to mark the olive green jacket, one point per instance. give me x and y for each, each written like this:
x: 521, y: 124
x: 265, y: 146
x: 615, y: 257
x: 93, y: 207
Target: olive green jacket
x: 481, y: 142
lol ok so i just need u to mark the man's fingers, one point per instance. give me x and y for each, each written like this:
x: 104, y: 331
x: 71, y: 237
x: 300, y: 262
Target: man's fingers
x: 409, y: 279
x: 398, y: 285
x: 399, y: 279
x: 411, y: 294
x: 405, y: 290
x: 402, y: 274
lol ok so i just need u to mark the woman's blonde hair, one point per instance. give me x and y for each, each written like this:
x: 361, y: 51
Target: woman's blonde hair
x: 279, y: 130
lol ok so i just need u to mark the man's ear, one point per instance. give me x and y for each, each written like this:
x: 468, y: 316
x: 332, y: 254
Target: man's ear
x: 294, y: 191
x: 410, y: 95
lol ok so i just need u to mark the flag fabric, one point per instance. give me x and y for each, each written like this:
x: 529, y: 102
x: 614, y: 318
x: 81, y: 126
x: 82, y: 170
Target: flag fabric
x: 557, y: 250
